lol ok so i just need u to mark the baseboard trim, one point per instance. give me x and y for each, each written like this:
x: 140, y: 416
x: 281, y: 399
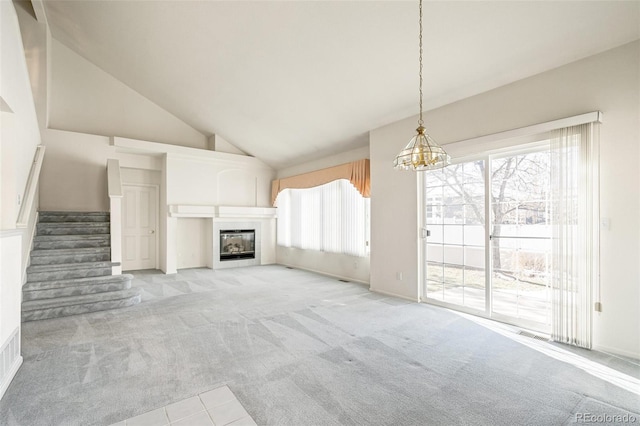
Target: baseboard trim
x: 340, y: 277
x: 388, y: 293
x: 616, y: 351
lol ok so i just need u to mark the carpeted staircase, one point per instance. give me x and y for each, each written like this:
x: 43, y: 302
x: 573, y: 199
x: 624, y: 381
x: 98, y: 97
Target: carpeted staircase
x: 70, y: 270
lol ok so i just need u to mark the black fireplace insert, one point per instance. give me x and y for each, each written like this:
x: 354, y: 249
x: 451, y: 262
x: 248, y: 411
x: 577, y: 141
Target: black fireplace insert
x: 237, y: 244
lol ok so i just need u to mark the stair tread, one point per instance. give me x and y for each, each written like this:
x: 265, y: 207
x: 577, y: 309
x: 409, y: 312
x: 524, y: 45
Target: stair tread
x: 71, y: 237
x: 33, y: 305
x: 69, y: 266
x: 73, y: 224
x: 61, y: 212
x: 73, y: 282
x: 74, y: 251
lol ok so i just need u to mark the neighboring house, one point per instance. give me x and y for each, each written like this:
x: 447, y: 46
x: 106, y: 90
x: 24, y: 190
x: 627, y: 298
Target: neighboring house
x: 45, y: 87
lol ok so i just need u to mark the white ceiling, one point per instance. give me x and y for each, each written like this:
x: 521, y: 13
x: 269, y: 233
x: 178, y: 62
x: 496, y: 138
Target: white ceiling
x: 297, y: 80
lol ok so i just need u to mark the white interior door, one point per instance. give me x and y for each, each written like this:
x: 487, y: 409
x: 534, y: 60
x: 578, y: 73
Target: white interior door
x: 139, y: 220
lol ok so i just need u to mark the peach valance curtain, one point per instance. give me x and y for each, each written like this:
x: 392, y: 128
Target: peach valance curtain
x: 356, y: 172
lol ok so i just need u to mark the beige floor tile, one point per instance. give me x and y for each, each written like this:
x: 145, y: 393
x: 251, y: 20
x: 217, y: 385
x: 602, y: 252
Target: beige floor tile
x: 245, y: 421
x: 199, y: 419
x: 227, y: 413
x: 151, y: 418
x: 184, y: 408
x: 217, y: 397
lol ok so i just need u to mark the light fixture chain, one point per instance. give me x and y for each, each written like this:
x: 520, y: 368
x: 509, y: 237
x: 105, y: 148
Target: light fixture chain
x: 420, y: 121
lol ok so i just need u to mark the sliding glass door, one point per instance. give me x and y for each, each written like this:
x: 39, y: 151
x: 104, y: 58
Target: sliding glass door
x: 500, y: 267
x: 455, y: 241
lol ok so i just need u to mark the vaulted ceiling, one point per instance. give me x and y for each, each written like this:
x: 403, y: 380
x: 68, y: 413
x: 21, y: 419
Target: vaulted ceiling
x: 293, y: 80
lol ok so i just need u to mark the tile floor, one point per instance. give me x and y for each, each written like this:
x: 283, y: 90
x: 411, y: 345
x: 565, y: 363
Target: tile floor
x: 218, y: 407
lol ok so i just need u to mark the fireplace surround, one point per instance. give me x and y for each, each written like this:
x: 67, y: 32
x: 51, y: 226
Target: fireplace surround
x: 221, y: 218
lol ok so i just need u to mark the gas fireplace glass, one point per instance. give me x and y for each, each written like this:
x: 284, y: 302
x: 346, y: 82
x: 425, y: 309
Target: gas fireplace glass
x: 237, y: 244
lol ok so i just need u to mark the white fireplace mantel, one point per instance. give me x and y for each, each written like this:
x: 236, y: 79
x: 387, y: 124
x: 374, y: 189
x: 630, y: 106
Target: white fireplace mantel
x: 182, y: 210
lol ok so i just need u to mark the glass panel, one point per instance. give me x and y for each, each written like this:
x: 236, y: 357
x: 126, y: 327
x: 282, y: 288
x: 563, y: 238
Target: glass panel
x: 474, y: 235
x: 474, y: 287
x: 434, y: 178
x: 521, y: 244
x: 474, y: 257
x: 434, y: 214
x: 474, y: 193
x: 454, y: 214
x: 434, y: 252
x: 453, y: 255
x: 504, y: 294
x: 462, y: 234
x: 433, y: 195
x: 474, y: 172
x: 436, y: 234
x: 452, y: 275
x: 453, y: 234
x: 435, y: 290
x: 474, y: 214
x: 454, y: 294
x: 435, y: 271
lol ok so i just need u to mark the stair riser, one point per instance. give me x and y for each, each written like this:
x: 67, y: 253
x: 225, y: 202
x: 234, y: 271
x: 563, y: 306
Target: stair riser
x: 43, y: 229
x: 63, y: 275
x: 75, y: 290
x: 45, y: 218
x: 75, y: 282
x: 54, y: 260
x: 64, y: 311
x: 71, y: 244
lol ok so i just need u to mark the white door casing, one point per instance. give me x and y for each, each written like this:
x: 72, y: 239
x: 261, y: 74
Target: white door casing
x: 139, y: 226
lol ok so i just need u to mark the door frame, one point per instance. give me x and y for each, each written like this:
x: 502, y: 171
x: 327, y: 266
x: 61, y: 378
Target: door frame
x: 156, y: 188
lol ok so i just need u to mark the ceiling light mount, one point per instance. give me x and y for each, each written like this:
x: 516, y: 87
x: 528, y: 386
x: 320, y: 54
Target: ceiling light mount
x: 422, y: 152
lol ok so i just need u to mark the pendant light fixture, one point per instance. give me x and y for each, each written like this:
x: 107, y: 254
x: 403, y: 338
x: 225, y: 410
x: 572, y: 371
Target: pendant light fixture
x: 422, y: 152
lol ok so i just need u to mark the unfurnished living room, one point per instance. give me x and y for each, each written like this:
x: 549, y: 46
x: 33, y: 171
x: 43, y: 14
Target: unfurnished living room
x: 319, y: 212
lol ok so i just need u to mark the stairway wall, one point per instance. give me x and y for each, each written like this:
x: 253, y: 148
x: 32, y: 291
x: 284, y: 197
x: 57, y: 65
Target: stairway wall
x: 19, y: 137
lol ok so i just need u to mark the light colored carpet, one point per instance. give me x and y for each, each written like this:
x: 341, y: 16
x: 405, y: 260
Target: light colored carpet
x: 296, y: 348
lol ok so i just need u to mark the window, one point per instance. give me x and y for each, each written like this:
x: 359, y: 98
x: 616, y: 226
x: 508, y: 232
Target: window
x: 333, y: 218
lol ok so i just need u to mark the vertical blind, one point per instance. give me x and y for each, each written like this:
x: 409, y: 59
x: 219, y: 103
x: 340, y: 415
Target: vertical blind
x: 575, y: 232
x: 333, y: 217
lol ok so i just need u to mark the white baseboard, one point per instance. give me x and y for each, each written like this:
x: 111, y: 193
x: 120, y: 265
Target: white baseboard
x: 387, y: 293
x: 616, y: 351
x: 340, y: 277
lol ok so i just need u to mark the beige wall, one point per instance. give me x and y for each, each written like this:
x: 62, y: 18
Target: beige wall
x: 88, y: 100
x: 609, y: 82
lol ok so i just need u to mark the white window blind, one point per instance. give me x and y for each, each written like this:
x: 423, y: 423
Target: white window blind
x: 333, y: 217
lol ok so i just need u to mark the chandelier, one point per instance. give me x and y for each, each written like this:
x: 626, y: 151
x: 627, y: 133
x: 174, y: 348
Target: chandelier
x: 422, y: 152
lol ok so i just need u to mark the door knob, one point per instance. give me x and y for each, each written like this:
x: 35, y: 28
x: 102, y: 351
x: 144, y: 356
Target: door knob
x: 152, y: 231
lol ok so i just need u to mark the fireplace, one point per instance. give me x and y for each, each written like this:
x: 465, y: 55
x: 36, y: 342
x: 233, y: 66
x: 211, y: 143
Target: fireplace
x: 237, y: 244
